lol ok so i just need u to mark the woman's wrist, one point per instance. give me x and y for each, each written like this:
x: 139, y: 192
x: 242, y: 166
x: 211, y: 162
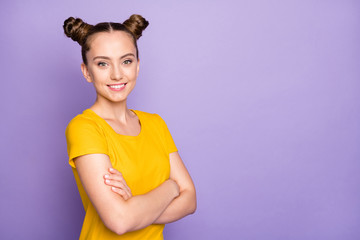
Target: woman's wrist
x: 174, y: 187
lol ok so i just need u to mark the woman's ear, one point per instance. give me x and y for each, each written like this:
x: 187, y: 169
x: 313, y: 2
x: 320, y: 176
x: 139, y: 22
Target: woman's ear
x: 138, y: 68
x: 86, y: 73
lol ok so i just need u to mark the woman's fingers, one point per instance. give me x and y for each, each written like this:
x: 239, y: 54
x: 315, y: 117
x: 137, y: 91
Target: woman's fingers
x: 123, y: 189
x: 113, y: 170
x: 121, y: 192
x: 116, y: 175
x: 118, y: 183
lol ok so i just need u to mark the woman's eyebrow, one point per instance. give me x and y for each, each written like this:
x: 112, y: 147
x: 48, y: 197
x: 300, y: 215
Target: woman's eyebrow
x: 127, y: 55
x: 104, y: 57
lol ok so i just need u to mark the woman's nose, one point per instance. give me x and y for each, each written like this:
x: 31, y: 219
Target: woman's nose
x: 116, y: 73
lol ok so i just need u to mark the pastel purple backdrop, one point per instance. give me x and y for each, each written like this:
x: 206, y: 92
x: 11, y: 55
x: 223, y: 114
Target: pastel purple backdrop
x: 261, y: 97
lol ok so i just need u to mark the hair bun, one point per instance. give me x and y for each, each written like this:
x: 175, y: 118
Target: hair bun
x: 76, y: 29
x: 136, y: 24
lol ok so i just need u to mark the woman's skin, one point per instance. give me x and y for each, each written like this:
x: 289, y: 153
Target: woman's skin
x: 180, y: 207
x: 113, y: 68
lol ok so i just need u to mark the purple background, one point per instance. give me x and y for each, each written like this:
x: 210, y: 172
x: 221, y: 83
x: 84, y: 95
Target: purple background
x: 261, y: 97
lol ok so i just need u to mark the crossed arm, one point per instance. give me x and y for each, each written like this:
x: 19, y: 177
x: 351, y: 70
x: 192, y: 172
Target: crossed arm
x: 172, y: 200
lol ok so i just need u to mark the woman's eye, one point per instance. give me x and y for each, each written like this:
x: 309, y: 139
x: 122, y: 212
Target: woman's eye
x: 102, y: 64
x: 126, y: 62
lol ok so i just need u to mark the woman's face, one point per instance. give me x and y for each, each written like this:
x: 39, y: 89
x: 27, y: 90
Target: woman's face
x: 112, y: 65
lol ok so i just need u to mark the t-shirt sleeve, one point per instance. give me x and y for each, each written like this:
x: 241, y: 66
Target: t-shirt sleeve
x: 83, y: 137
x: 169, y: 141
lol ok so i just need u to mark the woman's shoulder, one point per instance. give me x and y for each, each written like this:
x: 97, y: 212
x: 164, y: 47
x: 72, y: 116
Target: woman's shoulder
x: 146, y: 116
x: 84, y: 117
x: 84, y: 120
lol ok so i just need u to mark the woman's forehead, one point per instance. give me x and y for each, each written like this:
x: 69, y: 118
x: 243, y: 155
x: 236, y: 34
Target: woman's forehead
x: 109, y: 42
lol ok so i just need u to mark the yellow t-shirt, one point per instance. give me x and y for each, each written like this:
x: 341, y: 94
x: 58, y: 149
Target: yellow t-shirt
x: 143, y: 160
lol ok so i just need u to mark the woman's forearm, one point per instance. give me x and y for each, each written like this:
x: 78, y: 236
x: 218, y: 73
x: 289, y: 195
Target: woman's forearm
x: 142, y: 210
x: 158, y: 206
x: 117, y: 214
x: 185, y: 204
x: 180, y: 207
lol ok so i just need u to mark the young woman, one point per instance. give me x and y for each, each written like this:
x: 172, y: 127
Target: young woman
x: 130, y: 176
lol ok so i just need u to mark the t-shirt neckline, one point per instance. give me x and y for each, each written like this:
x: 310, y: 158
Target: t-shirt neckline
x: 108, y: 125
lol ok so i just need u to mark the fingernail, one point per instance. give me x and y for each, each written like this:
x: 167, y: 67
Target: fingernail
x: 106, y: 176
x: 113, y: 188
x: 107, y: 181
x: 111, y: 169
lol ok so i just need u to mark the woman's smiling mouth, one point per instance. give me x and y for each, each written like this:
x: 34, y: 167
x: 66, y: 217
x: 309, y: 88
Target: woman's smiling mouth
x: 117, y: 87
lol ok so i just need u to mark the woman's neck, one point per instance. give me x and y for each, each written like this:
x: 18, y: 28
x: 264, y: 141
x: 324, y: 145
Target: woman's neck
x: 112, y: 111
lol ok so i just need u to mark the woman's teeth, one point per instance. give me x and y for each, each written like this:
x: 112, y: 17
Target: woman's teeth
x: 117, y: 86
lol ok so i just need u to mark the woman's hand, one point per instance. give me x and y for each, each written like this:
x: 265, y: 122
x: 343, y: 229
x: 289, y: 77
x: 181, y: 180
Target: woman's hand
x: 117, y: 183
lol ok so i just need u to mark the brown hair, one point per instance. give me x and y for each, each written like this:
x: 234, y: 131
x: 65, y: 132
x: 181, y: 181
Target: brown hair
x: 80, y: 31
